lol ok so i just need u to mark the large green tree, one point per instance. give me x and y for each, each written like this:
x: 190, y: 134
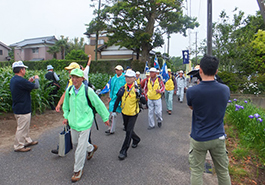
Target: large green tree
x: 140, y: 24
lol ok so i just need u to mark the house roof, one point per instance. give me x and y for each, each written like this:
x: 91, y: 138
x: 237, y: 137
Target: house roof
x: 39, y: 40
x: 5, y: 46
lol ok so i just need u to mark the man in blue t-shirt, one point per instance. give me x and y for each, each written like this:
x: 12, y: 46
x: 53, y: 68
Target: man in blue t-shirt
x: 20, y: 90
x: 208, y: 100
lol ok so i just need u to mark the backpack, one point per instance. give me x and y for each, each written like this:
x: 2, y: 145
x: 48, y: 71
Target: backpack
x: 89, y: 104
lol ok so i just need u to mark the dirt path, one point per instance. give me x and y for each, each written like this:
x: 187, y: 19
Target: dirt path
x: 39, y: 123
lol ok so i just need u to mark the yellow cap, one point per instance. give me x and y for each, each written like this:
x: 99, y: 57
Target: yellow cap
x: 119, y: 67
x: 168, y: 70
x: 73, y: 65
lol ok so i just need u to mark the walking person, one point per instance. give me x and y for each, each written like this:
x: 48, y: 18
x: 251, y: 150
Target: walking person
x: 53, y: 77
x: 21, y: 104
x: 154, y: 88
x: 170, y: 89
x: 181, y: 86
x: 79, y: 115
x: 138, y: 79
x: 116, y: 83
x: 129, y: 96
x: 208, y: 100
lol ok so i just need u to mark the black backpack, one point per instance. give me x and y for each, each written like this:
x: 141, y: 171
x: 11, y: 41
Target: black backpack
x: 89, y: 104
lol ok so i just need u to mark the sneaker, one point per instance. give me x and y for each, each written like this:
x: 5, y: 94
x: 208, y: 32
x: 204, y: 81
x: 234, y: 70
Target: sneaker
x: 150, y: 128
x: 32, y: 143
x: 159, y: 124
x: 23, y: 149
x: 169, y: 112
x: 122, y: 156
x: 77, y: 176
x: 108, y: 132
x: 90, y: 154
x: 134, y: 145
x: 55, y: 151
x: 181, y: 101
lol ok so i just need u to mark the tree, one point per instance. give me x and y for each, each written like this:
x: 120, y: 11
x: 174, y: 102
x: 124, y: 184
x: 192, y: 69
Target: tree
x: 76, y: 55
x: 76, y: 44
x: 53, y: 50
x: 139, y: 25
x: 62, y: 44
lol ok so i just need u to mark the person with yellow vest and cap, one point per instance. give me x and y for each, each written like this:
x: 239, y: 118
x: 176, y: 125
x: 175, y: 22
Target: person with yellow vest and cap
x: 138, y: 79
x: 129, y: 96
x: 171, y: 87
x: 154, y: 88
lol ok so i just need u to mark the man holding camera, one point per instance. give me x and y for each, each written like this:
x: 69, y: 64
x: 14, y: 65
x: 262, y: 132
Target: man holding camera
x: 20, y: 90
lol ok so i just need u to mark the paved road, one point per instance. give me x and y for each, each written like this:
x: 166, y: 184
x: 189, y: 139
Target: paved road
x: 160, y: 158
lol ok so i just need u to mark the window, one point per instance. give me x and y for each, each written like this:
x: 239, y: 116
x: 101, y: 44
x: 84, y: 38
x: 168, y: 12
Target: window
x: 35, y: 50
x: 101, y: 41
x: 1, y: 52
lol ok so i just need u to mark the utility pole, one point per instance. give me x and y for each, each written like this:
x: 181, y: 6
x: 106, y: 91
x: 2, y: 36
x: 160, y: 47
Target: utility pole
x: 262, y: 9
x: 209, y: 27
x: 168, y: 37
x: 96, y: 46
x: 196, y: 48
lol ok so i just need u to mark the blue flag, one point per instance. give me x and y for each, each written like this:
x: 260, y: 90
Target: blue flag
x: 156, y: 65
x: 146, y: 67
x: 164, y: 73
x: 186, y: 57
x: 106, y: 89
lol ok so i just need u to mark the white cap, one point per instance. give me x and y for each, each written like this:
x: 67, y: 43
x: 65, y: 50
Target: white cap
x: 130, y: 73
x: 137, y: 72
x: 119, y: 67
x: 18, y: 64
x: 180, y: 71
x: 49, y: 67
x: 152, y: 69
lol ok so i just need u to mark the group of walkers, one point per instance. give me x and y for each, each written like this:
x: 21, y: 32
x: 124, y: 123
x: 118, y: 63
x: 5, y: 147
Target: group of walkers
x: 207, y: 100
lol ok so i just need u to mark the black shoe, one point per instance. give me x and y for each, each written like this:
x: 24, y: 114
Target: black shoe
x: 122, y: 156
x: 134, y: 145
x: 108, y: 132
x: 150, y: 128
x: 159, y: 124
x: 180, y: 101
x: 55, y: 151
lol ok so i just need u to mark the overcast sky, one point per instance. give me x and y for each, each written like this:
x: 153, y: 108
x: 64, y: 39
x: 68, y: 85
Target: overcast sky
x: 23, y: 19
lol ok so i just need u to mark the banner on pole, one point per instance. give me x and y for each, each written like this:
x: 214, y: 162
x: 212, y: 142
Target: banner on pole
x: 186, y: 57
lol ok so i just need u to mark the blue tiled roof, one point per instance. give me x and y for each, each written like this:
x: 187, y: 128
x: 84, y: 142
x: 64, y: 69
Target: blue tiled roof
x: 40, y: 40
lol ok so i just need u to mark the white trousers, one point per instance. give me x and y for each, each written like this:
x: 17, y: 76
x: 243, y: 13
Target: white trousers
x: 180, y: 93
x: 154, y: 107
x: 22, y: 134
x: 80, y: 138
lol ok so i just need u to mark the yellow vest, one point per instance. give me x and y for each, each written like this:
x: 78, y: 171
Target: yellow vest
x: 138, y: 81
x: 169, y: 85
x: 129, y: 103
x: 152, y: 94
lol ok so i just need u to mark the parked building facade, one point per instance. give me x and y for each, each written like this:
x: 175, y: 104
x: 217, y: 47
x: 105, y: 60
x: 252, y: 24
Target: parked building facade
x: 34, y: 49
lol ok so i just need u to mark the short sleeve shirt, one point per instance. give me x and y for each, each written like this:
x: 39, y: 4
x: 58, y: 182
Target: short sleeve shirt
x: 208, y: 100
x: 20, y: 89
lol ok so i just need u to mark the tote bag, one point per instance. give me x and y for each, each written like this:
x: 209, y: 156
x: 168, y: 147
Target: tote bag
x: 65, y: 141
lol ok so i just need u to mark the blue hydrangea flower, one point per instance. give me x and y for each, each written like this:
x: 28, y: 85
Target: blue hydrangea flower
x: 246, y: 101
x: 256, y: 115
x: 259, y: 119
x: 229, y: 101
x: 235, y: 99
x: 251, y: 116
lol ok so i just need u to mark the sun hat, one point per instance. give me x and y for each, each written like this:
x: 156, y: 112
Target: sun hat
x: 180, y: 71
x: 168, y: 70
x: 49, y: 67
x: 137, y: 72
x: 119, y: 67
x: 18, y: 64
x: 73, y: 65
x: 130, y: 73
x: 152, y: 69
x: 77, y: 72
